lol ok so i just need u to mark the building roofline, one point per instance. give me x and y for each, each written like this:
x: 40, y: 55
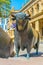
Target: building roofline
x: 28, y: 4
x: 24, y: 6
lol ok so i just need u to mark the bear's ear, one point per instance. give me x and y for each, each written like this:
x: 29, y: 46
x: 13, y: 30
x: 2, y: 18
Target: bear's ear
x: 28, y: 17
x: 13, y: 17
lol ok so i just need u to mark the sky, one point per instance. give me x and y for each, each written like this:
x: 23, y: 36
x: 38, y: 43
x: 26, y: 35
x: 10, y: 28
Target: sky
x: 17, y: 4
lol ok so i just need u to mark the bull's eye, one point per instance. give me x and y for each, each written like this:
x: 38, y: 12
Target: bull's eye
x: 13, y: 19
x: 23, y: 21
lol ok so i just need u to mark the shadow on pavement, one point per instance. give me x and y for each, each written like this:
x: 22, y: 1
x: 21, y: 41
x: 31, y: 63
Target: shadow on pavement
x: 40, y: 54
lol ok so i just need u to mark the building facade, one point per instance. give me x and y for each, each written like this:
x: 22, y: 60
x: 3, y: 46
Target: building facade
x: 3, y: 23
x: 10, y: 30
x: 35, y: 9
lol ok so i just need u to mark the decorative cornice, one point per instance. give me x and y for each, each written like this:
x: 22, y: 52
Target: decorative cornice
x: 28, y: 5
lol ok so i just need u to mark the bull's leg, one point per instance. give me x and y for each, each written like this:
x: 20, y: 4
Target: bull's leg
x: 37, y: 45
x: 36, y: 51
x: 17, y: 48
x: 17, y: 51
x: 28, y: 52
x: 28, y: 55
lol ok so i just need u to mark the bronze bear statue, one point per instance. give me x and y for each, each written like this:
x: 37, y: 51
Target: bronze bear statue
x: 6, y: 44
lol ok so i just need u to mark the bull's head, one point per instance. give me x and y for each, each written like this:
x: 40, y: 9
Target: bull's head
x: 21, y: 20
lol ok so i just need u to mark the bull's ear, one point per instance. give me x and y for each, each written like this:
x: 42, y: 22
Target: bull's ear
x: 28, y: 17
x: 13, y: 17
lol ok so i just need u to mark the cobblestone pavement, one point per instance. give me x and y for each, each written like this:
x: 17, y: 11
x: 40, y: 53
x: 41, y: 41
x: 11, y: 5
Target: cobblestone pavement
x: 22, y: 60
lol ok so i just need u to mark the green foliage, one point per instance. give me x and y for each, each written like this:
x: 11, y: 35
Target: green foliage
x: 4, y: 7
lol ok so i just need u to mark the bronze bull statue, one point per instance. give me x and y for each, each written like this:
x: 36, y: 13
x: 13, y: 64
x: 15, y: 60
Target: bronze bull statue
x: 25, y: 35
x: 6, y: 44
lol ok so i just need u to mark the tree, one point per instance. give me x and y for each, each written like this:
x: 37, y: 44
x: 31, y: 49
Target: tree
x: 4, y: 7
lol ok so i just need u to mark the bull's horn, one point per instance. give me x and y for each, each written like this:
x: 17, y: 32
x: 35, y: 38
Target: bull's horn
x: 13, y: 17
x: 28, y: 16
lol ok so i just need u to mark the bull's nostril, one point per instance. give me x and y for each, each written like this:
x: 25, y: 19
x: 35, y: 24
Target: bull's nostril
x: 20, y: 22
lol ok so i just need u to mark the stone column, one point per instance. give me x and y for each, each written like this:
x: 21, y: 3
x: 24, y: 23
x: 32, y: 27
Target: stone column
x: 37, y: 25
x: 35, y: 9
x: 40, y: 5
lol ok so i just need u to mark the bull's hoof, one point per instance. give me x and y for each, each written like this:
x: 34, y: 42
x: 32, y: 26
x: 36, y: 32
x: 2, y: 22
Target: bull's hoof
x: 36, y: 51
x: 28, y: 56
x: 16, y: 55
